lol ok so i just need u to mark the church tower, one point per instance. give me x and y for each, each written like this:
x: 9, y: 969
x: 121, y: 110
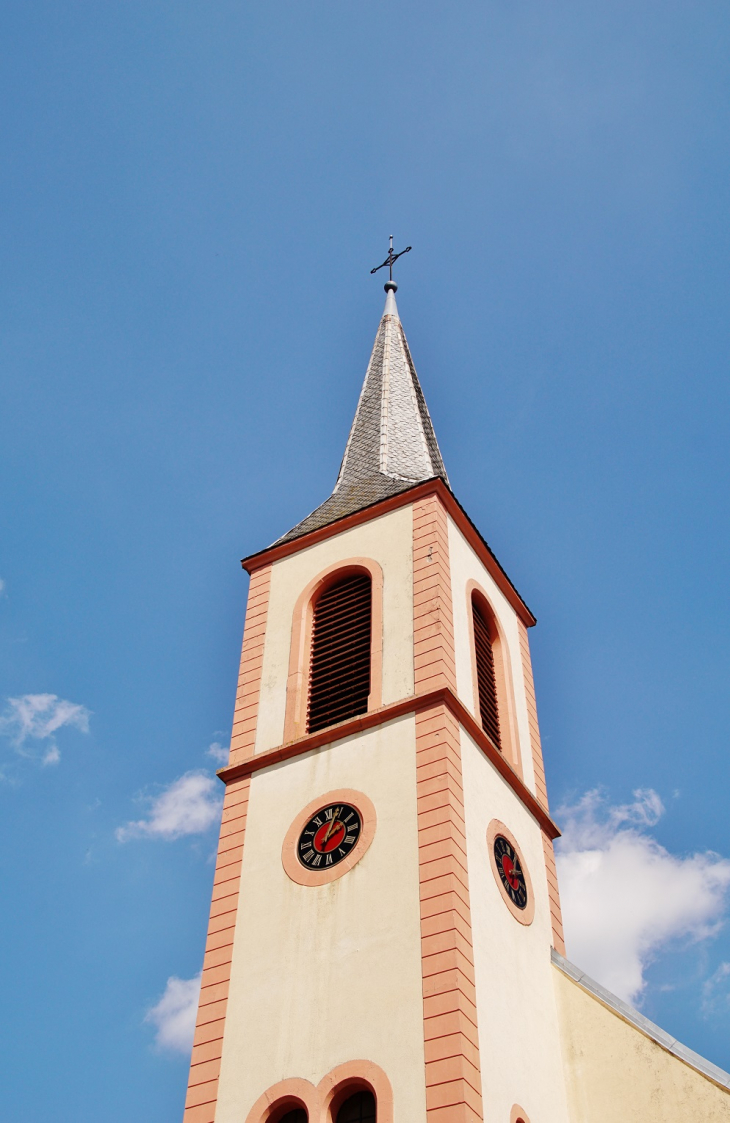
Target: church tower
x: 385, y: 938
x: 385, y: 898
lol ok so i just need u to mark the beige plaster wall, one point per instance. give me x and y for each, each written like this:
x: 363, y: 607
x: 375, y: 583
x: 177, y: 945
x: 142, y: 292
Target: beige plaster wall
x: 615, y: 1074
x: 518, y: 1021
x: 389, y: 541
x: 465, y: 567
x: 329, y: 974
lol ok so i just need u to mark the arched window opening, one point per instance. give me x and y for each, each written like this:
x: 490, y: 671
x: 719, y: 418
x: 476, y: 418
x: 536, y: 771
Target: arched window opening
x: 293, y: 1115
x: 359, y: 1108
x: 486, y: 677
x: 339, y: 680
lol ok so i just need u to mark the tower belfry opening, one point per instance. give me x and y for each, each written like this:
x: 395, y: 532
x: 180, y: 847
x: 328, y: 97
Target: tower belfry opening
x: 385, y: 939
x: 339, y: 671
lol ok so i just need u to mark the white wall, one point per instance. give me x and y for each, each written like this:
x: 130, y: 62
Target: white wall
x: 465, y: 567
x: 389, y: 541
x: 518, y: 1022
x: 329, y: 974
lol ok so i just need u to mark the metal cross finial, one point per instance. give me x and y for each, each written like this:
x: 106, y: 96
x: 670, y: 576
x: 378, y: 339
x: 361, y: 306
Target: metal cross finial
x: 391, y: 258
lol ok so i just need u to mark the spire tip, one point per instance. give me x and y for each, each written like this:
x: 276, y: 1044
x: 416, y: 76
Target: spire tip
x: 391, y: 308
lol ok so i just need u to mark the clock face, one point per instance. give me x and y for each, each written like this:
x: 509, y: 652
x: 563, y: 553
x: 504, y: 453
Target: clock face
x: 329, y: 836
x: 511, y: 873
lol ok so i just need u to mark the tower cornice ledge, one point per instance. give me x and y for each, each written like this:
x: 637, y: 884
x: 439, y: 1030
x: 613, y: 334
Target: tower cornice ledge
x: 435, y: 486
x: 415, y: 703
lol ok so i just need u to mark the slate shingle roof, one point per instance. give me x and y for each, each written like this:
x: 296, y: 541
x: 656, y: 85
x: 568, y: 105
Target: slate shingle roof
x: 392, y: 445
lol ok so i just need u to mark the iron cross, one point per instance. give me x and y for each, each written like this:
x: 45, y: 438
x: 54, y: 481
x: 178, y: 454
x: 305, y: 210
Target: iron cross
x: 391, y: 258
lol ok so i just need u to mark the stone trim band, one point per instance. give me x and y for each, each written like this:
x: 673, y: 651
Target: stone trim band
x: 413, y: 704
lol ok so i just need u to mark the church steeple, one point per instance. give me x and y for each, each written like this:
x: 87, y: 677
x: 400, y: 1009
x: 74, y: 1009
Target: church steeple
x: 392, y: 444
x: 385, y: 940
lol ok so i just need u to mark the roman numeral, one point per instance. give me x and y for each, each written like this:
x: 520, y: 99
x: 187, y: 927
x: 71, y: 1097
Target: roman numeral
x: 307, y: 857
x: 317, y: 860
x: 350, y: 838
x: 328, y: 860
x: 317, y: 820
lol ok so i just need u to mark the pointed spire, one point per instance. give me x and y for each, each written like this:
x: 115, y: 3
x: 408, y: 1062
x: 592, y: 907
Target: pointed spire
x: 392, y: 445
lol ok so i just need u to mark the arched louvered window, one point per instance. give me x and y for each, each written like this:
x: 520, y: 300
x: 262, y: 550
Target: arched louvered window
x: 339, y: 678
x: 486, y: 677
x: 359, y: 1108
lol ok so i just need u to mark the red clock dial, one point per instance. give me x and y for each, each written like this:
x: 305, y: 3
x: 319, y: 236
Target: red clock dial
x: 510, y: 871
x: 329, y: 836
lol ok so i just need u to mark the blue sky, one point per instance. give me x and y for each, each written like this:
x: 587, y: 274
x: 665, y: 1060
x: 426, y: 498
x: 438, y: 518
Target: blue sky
x: 191, y: 198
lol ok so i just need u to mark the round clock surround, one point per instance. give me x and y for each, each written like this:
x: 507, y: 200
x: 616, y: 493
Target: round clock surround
x: 328, y: 837
x: 510, y: 872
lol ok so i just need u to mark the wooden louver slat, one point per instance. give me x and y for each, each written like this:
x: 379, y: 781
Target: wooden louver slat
x: 486, y: 678
x: 339, y: 679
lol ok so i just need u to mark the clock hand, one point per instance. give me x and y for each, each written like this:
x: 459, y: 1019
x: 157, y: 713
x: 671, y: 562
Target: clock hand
x: 330, y: 828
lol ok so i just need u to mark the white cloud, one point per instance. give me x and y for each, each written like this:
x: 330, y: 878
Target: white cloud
x: 174, y: 1015
x: 36, y: 718
x: 189, y: 805
x: 2, y: 586
x: 218, y: 752
x: 625, y: 898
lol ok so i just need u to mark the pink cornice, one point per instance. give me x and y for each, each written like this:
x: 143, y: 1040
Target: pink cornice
x: 413, y: 704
